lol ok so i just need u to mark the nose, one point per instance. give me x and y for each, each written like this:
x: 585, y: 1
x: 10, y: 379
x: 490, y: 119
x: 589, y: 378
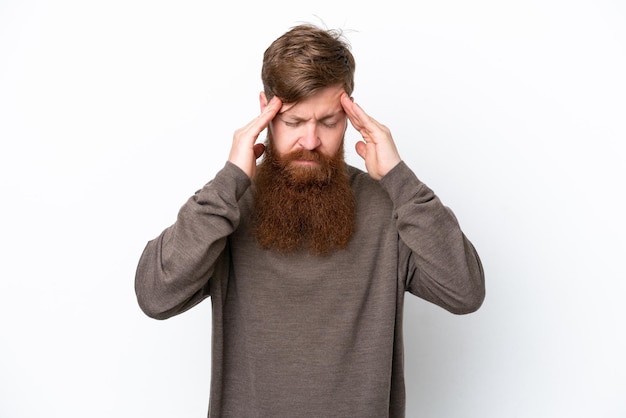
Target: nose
x: 310, y: 139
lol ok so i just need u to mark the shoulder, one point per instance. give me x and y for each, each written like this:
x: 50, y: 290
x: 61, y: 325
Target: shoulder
x: 360, y: 178
x: 365, y: 187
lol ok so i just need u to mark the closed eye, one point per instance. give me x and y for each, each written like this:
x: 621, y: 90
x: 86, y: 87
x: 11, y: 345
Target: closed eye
x: 291, y: 124
x: 295, y: 123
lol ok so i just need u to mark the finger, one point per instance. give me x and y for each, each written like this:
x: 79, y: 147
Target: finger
x: 256, y: 126
x: 348, y: 106
x: 273, y: 106
x: 248, y: 134
x: 361, y: 121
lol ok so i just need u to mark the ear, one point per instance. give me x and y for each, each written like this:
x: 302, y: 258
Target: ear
x: 263, y: 100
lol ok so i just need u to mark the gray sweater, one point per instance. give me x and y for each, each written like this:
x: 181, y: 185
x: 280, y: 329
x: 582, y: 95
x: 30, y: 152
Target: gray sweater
x: 298, y: 335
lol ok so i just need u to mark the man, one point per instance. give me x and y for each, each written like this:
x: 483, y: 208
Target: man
x: 307, y: 260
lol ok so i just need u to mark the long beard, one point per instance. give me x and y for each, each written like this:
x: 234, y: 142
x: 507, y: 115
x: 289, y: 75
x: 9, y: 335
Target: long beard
x: 303, y: 207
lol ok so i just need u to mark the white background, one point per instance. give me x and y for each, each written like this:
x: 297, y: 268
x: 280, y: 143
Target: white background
x: 113, y: 112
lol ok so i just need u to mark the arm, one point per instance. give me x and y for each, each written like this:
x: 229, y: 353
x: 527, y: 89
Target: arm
x: 174, y: 268
x: 441, y: 264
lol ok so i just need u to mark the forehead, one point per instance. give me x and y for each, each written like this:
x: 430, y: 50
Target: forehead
x: 323, y: 103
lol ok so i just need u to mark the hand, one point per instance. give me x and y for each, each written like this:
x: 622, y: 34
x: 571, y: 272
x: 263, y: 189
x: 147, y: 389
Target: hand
x: 244, y: 151
x: 377, y: 148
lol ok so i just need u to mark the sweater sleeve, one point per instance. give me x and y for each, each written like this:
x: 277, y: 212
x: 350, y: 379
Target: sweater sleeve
x: 174, y: 269
x: 438, y: 262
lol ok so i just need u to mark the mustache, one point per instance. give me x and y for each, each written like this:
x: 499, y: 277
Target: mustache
x: 324, y: 162
x: 303, y: 155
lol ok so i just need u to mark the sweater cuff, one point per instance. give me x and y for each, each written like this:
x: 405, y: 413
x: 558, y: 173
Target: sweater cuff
x: 402, y: 185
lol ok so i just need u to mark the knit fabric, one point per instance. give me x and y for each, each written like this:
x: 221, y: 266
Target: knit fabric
x: 301, y: 335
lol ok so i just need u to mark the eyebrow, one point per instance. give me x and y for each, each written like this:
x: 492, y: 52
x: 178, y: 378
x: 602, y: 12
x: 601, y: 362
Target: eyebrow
x: 297, y: 118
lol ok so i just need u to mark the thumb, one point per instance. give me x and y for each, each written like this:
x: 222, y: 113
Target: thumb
x: 259, y: 149
x: 361, y: 149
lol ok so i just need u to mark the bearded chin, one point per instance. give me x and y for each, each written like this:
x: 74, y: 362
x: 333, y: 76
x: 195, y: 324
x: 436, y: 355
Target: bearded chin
x: 302, y: 206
